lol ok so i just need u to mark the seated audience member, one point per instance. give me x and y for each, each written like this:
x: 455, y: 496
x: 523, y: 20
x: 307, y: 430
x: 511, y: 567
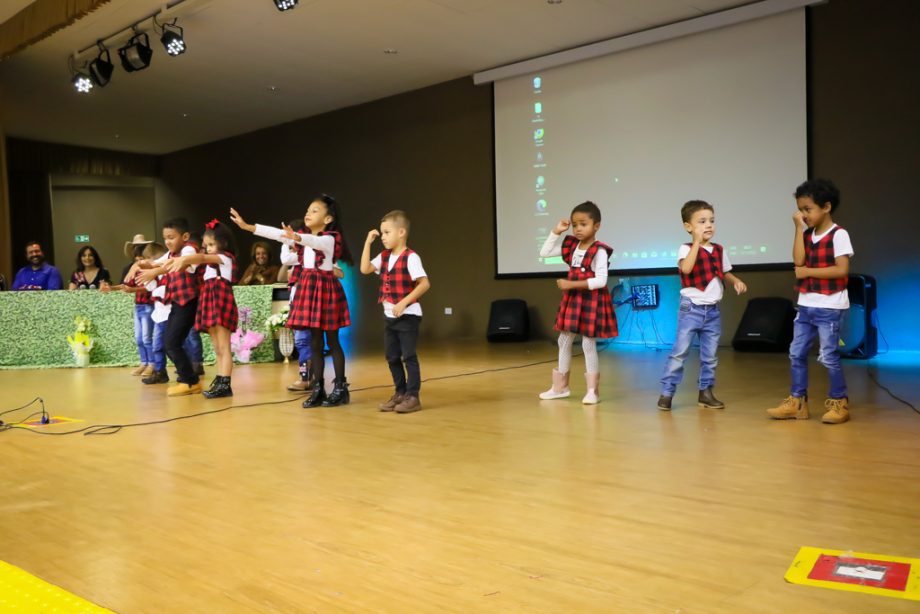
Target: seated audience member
x: 89, y: 274
x: 260, y: 272
x: 38, y: 274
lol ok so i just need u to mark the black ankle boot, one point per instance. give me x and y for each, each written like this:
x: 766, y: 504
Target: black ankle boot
x: 220, y: 387
x: 709, y: 400
x: 339, y: 394
x: 317, y: 397
x: 158, y: 377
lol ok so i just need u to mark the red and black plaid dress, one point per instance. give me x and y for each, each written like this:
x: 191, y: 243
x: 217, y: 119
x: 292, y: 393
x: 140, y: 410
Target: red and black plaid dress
x: 586, y: 312
x: 319, y: 300
x: 216, y: 305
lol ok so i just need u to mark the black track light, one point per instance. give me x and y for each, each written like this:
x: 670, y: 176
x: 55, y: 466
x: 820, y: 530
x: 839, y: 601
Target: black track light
x: 285, y: 5
x: 100, y: 69
x: 173, y: 39
x: 137, y: 53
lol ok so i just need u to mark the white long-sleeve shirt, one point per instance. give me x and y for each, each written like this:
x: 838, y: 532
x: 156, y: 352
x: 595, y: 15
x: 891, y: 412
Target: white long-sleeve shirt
x: 325, y: 244
x: 553, y: 247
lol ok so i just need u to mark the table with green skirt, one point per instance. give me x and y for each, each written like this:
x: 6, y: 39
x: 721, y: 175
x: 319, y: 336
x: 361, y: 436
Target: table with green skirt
x: 34, y: 327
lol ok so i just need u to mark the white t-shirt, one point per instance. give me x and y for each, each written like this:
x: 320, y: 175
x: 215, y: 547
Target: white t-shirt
x: 416, y: 271
x: 838, y: 300
x: 714, y: 289
x: 553, y: 247
x: 226, y: 269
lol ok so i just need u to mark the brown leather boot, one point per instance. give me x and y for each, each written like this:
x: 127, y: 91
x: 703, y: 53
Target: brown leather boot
x: 791, y: 407
x: 391, y: 404
x: 837, y: 412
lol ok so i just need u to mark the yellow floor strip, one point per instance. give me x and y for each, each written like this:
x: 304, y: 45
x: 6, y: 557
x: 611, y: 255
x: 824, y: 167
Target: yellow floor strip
x: 23, y: 592
x: 861, y: 572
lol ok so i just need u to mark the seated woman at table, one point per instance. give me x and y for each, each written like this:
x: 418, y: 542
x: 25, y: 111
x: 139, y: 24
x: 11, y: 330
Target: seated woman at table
x: 260, y: 272
x: 90, y: 274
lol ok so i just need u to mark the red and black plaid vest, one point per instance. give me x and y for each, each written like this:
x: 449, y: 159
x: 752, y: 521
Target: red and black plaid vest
x: 583, y: 271
x: 818, y: 256
x: 706, y: 268
x: 182, y: 286
x: 140, y: 298
x: 395, y: 284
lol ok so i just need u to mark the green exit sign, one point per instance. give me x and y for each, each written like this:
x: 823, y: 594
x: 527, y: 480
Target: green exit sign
x: 81, y: 238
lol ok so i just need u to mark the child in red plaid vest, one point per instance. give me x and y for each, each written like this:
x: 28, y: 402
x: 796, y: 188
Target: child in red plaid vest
x: 402, y: 282
x: 821, y: 252
x: 217, y: 314
x: 703, y: 266
x: 319, y: 303
x: 182, y: 287
x: 586, y: 308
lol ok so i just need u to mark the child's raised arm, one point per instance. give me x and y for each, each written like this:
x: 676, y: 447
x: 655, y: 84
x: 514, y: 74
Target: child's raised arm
x: 366, y: 267
x: 239, y: 221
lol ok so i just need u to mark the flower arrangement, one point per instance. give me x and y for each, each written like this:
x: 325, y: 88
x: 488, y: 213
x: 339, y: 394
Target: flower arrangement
x: 81, y: 342
x: 277, y: 321
x: 242, y: 341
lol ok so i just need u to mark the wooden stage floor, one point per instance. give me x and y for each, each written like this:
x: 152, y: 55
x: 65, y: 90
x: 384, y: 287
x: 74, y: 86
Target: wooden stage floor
x: 488, y: 500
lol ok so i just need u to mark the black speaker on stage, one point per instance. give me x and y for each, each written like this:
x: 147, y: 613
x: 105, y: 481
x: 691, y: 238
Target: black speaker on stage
x: 859, y: 334
x: 766, y: 326
x: 508, y: 320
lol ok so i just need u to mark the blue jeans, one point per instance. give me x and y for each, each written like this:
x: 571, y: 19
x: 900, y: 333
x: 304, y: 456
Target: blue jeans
x: 158, y: 344
x: 192, y: 346
x: 825, y: 323
x: 692, y: 319
x: 302, y: 341
x: 143, y: 332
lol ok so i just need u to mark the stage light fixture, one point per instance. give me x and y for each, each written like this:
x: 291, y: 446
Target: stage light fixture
x: 79, y: 79
x: 137, y: 53
x: 82, y: 83
x: 173, y: 38
x: 285, y: 5
x: 100, y: 69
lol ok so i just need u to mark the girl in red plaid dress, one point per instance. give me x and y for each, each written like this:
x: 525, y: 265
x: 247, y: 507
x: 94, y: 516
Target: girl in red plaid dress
x: 319, y: 303
x: 217, y: 313
x: 586, y: 308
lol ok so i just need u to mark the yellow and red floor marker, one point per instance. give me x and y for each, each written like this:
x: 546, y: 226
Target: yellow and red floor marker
x: 23, y: 592
x: 876, y: 574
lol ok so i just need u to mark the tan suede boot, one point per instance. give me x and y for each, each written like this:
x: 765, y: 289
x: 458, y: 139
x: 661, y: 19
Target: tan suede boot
x: 592, y: 380
x: 138, y: 370
x: 838, y: 411
x: 791, y: 407
x: 560, y: 387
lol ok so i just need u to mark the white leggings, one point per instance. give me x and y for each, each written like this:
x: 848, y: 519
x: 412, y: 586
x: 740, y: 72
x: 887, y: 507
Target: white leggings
x: 588, y: 346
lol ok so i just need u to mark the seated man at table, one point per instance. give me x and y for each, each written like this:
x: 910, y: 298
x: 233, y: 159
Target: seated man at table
x: 38, y: 274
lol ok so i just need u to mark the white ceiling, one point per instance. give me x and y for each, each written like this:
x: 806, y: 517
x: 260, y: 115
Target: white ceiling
x: 322, y: 55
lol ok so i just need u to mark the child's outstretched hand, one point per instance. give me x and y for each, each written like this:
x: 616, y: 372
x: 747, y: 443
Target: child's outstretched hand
x: 290, y: 234
x: 563, y: 284
x: 175, y: 264
x: 740, y: 287
x: 145, y: 277
x: 239, y: 221
x: 562, y: 226
x: 372, y: 235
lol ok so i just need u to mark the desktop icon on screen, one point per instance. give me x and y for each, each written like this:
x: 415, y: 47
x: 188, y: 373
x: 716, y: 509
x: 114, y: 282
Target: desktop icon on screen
x: 541, y: 182
x: 537, y: 83
x: 541, y: 206
x: 538, y: 107
x: 538, y: 134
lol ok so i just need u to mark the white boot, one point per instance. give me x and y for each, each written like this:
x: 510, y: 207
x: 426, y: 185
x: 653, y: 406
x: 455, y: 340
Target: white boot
x: 559, y: 389
x: 592, y: 380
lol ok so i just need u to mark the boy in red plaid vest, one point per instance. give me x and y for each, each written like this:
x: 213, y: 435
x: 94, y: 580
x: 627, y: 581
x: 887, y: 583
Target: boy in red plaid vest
x: 703, y: 266
x: 586, y: 308
x: 402, y: 282
x: 182, y: 288
x: 821, y: 252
